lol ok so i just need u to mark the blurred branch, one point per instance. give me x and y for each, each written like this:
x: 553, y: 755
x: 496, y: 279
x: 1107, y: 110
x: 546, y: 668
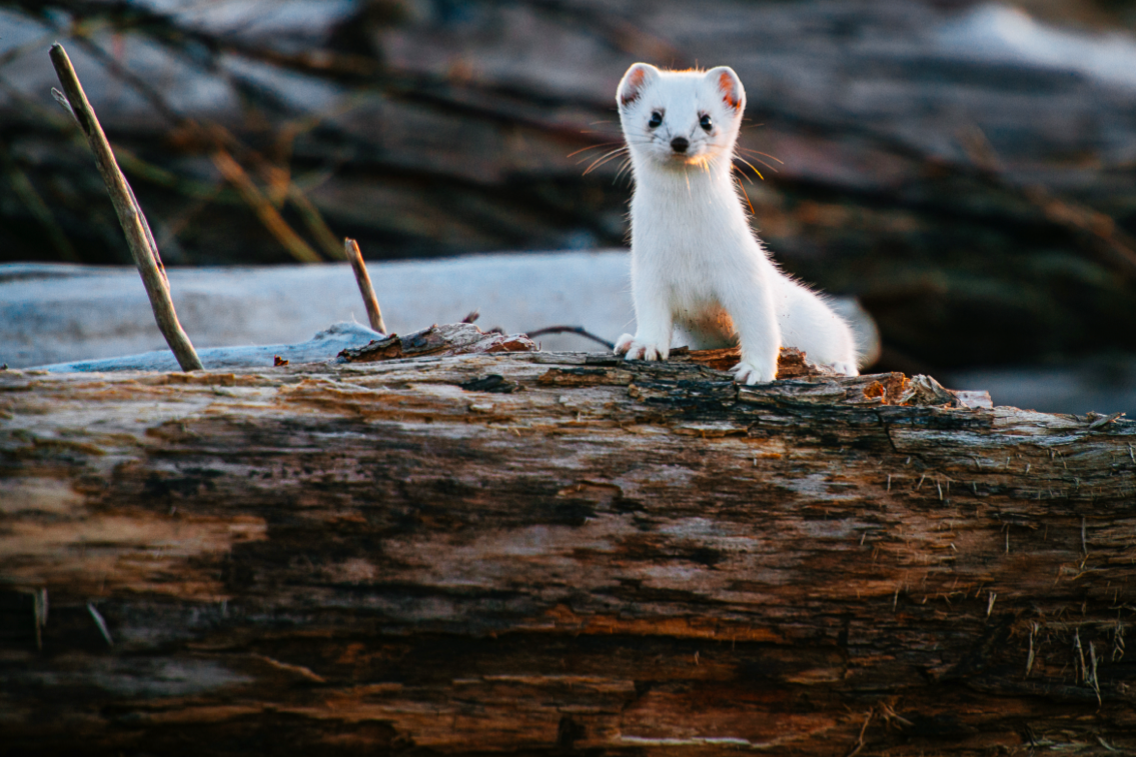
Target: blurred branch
x: 314, y: 221
x: 27, y: 193
x: 183, y: 217
x: 269, y: 216
x: 220, y: 140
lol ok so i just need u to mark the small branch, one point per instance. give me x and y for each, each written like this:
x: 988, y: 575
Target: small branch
x: 138, y: 236
x: 571, y: 330
x: 374, y: 314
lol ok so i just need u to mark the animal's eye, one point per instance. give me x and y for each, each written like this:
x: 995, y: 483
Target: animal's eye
x: 656, y: 119
x: 705, y: 122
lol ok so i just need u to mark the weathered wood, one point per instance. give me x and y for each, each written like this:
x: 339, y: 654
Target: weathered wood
x: 324, y: 346
x: 139, y: 239
x: 438, y: 341
x: 584, y: 554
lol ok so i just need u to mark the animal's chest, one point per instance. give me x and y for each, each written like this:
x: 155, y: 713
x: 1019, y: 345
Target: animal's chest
x: 685, y: 254
x: 692, y: 292
x: 693, y: 260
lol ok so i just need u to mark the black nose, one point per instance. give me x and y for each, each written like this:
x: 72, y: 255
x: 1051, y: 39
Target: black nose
x: 679, y: 144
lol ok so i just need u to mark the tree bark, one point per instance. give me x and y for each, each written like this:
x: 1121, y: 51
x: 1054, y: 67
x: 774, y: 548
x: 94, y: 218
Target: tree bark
x: 552, y: 552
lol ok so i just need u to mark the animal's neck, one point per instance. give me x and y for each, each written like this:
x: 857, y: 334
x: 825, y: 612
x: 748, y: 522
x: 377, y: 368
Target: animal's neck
x: 662, y: 187
x: 705, y: 176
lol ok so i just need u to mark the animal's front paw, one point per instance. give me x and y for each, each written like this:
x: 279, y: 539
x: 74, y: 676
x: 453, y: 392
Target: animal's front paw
x: 752, y: 372
x: 636, y: 350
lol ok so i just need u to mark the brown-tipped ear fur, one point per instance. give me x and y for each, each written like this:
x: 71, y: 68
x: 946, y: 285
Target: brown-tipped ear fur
x: 728, y: 83
x: 637, y: 78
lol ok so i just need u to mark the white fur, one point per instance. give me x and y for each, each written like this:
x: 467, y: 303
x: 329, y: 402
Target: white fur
x: 695, y: 263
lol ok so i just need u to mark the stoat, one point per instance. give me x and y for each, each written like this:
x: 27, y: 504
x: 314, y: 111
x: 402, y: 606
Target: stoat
x: 695, y: 262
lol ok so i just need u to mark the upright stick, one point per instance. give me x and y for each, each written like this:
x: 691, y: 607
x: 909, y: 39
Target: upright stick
x: 129, y: 214
x: 374, y: 315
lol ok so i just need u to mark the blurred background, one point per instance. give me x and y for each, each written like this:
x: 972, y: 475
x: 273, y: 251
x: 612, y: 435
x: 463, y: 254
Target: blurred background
x: 966, y: 170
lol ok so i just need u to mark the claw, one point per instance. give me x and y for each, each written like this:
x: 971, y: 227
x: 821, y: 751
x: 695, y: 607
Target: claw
x: 750, y: 374
x: 635, y: 350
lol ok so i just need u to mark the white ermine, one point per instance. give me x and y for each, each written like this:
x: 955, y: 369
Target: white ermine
x: 695, y: 263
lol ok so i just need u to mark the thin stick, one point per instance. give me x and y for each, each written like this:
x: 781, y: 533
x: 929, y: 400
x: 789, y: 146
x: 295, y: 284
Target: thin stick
x: 138, y: 237
x: 374, y: 314
x: 571, y: 330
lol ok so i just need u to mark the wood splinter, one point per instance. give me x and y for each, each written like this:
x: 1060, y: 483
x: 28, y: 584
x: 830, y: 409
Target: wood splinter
x: 138, y: 235
x: 374, y: 314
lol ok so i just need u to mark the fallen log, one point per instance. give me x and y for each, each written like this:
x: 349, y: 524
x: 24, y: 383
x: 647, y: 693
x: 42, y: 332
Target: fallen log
x: 550, y: 552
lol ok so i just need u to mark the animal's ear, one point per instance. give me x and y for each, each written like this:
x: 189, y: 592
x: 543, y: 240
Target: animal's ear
x: 637, y: 79
x: 729, y: 86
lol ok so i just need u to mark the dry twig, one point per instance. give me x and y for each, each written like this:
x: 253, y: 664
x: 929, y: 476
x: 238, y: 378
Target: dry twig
x: 571, y: 330
x: 374, y: 314
x: 138, y: 236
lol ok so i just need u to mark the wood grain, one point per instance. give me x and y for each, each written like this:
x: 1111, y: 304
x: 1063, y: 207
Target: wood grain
x: 617, y: 557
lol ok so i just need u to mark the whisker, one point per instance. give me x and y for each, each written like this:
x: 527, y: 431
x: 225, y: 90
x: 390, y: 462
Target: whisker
x: 765, y: 154
x: 606, y: 155
x: 622, y: 168
x: 752, y: 153
x: 742, y: 174
x: 745, y: 194
x: 616, y: 151
x: 591, y: 147
x: 743, y: 160
x: 597, y: 165
x: 600, y: 161
x: 762, y: 162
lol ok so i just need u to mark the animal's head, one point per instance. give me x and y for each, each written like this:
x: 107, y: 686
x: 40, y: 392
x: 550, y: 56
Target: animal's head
x: 681, y: 118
